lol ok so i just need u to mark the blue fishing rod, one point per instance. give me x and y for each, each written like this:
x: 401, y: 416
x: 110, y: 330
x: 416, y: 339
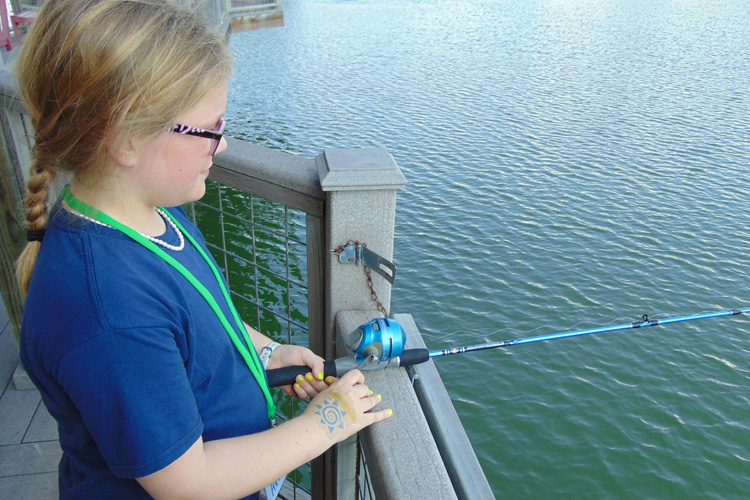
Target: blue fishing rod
x: 379, y: 344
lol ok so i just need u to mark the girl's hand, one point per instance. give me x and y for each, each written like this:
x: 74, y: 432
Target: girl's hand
x: 344, y: 408
x: 309, y: 385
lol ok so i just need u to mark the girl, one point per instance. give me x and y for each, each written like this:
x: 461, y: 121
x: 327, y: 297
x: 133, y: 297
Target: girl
x: 128, y: 330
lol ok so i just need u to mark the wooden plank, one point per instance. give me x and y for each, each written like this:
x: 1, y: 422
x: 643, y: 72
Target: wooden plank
x: 33, y: 458
x: 17, y: 408
x: 32, y: 487
x: 323, y: 467
x: 316, y: 259
x: 12, y: 238
x: 8, y: 355
x: 42, y: 428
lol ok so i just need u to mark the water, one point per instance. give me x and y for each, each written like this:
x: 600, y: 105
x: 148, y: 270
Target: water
x: 571, y: 164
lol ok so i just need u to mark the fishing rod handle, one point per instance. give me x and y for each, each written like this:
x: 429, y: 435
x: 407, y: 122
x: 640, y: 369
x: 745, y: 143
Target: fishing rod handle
x: 414, y: 357
x: 337, y: 367
x: 287, y: 375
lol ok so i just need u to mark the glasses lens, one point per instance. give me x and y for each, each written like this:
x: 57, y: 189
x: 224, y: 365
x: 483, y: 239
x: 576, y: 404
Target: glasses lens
x: 219, y: 129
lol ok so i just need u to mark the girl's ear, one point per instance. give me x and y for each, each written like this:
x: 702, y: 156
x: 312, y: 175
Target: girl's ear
x: 122, y: 151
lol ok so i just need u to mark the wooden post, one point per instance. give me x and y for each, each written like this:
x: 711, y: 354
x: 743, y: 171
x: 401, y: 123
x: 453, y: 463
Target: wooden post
x: 360, y: 187
x: 11, y: 232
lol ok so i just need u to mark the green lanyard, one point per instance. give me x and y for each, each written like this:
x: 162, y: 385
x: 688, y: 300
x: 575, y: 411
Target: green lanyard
x: 248, y: 353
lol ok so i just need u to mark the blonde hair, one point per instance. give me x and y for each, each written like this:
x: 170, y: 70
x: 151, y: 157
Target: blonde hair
x: 91, y: 71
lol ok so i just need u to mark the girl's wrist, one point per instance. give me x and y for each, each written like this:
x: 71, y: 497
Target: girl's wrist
x: 266, y: 353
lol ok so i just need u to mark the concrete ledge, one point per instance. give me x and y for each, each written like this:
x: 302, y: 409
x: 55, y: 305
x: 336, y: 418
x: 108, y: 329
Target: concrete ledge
x: 402, y: 457
x: 455, y: 448
x: 272, y: 174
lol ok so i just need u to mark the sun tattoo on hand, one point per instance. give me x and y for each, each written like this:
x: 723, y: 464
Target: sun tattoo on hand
x: 332, y: 411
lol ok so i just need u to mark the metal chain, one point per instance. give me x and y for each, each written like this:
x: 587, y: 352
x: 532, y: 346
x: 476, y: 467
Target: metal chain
x: 368, y: 273
x: 373, y: 293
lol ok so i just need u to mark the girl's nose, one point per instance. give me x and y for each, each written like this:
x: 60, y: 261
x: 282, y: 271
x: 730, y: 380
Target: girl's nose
x: 222, y: 146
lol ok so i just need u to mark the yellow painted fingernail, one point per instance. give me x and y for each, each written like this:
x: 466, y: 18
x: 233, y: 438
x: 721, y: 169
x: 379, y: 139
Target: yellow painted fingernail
x: 380, y: 397
x: 296, y: 386
x: 390, y: 412
x: 309, y: 376
x: 320, y: 375
x: 299, y: 378
x: 329, y: 380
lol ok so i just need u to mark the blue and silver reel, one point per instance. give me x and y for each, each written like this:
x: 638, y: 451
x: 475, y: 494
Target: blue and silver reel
x: 382, y: 337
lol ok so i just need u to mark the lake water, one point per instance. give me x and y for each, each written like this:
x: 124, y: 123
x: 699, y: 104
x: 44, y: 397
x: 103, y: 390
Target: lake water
x: 571, y: 164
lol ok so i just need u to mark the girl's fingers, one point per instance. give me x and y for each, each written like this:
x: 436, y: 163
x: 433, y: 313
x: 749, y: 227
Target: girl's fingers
x: 348, y: 403
x: 299, y: 391
x: 364, y: 398
x: 374, y: 400
x: 303, y: 387
x: 381, y: 415
x: 352, y: 377
x: 362, y: 391
x: 308, y: 386
x: 367, y: 404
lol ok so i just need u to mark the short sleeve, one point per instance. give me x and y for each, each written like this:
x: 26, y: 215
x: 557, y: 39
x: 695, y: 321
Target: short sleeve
x: 132, y: 391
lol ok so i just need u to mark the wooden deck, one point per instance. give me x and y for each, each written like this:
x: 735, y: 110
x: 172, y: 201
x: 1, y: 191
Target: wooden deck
x: 29, y: 450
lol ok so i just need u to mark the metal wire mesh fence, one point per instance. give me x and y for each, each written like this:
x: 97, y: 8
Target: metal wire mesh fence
x: 261, y: 249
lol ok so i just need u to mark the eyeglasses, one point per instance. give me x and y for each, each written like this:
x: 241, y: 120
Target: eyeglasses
x: 215, y: 134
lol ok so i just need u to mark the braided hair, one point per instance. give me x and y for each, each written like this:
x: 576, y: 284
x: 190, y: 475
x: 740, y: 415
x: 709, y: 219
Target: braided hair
x: 92, y: 72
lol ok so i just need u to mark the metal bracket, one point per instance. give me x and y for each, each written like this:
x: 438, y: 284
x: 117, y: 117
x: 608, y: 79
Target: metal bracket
x: 359, y: 254
x: 413, y: 374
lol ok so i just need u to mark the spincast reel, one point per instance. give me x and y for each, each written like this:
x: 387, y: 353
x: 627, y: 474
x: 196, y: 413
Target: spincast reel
x: 382, y: 337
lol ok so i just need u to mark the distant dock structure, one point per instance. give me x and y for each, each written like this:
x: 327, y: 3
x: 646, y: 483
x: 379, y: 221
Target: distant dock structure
x: 248, y: 15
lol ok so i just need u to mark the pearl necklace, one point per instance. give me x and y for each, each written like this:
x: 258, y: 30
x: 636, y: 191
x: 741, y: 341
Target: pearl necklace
x: 162, y: 243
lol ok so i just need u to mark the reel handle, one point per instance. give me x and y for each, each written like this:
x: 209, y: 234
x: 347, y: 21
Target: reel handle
x: 287, y: 375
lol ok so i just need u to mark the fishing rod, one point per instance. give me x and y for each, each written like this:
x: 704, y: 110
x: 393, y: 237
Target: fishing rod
x: 379, y: 345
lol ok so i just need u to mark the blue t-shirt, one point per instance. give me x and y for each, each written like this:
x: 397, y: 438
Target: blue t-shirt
x: 129, y: 358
